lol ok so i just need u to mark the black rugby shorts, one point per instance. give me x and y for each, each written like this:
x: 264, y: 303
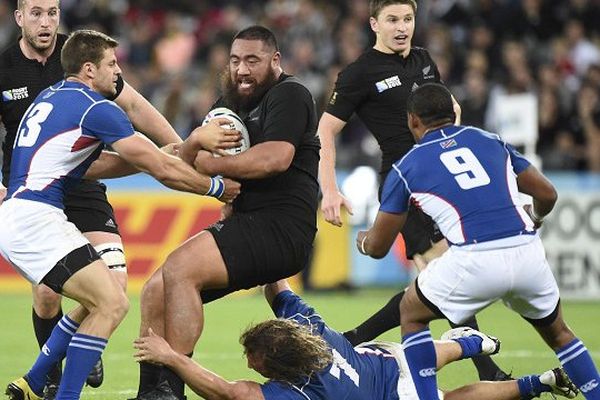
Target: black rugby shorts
x: 419, y: 232
x: 87, y: 207
x: 260, y: 247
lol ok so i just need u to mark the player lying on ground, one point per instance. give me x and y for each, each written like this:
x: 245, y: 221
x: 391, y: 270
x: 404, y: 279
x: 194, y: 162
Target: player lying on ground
x: 303, y: 358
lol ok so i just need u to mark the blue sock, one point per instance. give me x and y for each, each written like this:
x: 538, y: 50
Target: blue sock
x: 53, y: 351
x: 83, y: 353
x: 530, y: 387
x: 420, y: 354
x: 578, y: 364
x: 471, y: 346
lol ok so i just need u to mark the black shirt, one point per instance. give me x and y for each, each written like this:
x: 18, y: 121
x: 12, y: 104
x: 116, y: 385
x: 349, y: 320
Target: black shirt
x: 21, y: 80
x: 287, y: 112
x: 376, y: 86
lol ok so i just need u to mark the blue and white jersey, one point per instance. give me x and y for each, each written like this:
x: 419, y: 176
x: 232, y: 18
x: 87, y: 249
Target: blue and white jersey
x: 60, y: 135
x: 354, y: 375
x: 465, y: 179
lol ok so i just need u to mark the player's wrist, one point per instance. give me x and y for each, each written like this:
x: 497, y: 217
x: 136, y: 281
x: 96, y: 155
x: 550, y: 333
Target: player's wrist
x: 362, y: 246
x: 535, y: 217
x: 216, y: 188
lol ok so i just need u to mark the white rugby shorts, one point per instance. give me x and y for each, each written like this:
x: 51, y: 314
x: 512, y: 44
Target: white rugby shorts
x: 34, y: 236
x: 465, y: 280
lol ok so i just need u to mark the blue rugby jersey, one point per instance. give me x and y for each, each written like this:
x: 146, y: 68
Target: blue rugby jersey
x: 465, y: 179
x: 60, y: 135
x: 353, y: 375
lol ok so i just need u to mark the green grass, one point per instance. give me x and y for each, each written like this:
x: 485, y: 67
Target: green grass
x: 522, y: 351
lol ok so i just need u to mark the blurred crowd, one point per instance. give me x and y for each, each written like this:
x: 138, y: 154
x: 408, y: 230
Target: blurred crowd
x: 174, y: 52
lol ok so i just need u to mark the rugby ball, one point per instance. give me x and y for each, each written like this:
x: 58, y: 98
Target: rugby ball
x: 235, y: 123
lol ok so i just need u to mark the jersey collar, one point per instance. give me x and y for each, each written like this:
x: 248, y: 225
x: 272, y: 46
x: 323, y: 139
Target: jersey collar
x: 70, y: 84
x: 440, y: 133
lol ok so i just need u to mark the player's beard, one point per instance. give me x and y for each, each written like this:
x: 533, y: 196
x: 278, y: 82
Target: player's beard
x: 240, y: 102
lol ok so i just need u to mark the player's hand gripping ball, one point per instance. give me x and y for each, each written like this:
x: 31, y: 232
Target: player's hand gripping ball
x: 235, y: 123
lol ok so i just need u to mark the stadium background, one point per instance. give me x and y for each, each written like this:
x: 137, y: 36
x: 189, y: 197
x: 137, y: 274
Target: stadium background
x: 529, y: 69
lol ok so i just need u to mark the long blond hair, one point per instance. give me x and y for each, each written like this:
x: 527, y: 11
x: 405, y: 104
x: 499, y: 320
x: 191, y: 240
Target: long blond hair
x: 289, y: 351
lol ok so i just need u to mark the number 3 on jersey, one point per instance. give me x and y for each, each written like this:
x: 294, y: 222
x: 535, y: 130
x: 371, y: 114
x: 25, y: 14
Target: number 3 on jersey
x: 30, y: 126
x: 465, y: 167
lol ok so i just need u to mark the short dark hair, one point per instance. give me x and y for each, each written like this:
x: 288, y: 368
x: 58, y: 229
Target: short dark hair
x: 84, y: 46
x: 21, y: 4
x: 290, y: 352
x: 375, y: 6
x: 258, y: 32
x: 432, y: 103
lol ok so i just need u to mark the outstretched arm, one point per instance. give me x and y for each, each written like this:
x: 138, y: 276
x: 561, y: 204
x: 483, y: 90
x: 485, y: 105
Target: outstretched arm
x: 145, y: 117
x: 273, y: 289
x: 333, y: 200
x: 112, y: 165
x: 171, y: 171
x: 205, y: 383
x: 508, y: 390
x: 109, y: 165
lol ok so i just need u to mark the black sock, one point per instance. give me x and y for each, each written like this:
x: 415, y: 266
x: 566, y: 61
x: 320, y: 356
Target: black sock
x: 382, y: 321
x: 486, y: 367
x: 149, y: 377
x: 175, y: 382
x: 43, y: 329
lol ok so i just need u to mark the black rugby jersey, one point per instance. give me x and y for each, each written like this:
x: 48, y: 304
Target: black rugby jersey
x: 376, y: 86
x: 21, y: 80
x: 287, y: 112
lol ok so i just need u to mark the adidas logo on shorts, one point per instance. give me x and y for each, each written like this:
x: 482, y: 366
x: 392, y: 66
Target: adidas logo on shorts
x: 110, y: 223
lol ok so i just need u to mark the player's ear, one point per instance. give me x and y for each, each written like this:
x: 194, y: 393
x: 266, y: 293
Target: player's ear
x: 413, y: 123
x: 374, y: 24
x: 19, y: 18
x: 89, y: 69
x: 276, y: 60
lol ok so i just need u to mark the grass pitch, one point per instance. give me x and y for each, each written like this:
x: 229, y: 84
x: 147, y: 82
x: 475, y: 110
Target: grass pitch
x: 522, y: 350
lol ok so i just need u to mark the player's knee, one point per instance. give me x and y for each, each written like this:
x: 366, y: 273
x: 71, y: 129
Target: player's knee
x: 113, y: 255
x: 153, y: 290
x: 174, y: 269
x: 561, y: 335
x: 46, y: 302
x: 116, y: 309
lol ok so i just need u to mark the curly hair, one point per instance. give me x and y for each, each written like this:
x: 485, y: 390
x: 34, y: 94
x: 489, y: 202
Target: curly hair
x: 290, y: 352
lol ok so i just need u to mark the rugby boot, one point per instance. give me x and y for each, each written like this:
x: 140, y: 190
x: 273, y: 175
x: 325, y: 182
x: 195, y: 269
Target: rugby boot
x: 20, y: 390
x: 560, y: 383
x: 489, y: 344
x: 96, y: 376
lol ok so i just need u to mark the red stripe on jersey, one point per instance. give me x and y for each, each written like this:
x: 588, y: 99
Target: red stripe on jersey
x: 83, y: 142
